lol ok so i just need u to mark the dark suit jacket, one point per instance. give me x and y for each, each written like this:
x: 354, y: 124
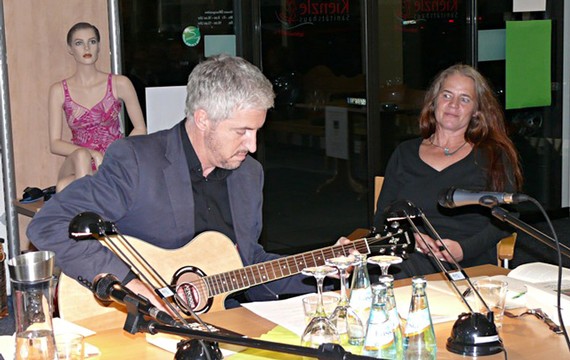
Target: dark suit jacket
x: 144, y: 187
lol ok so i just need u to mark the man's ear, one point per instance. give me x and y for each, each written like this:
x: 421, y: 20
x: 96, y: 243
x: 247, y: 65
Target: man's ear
x: 201, y: 119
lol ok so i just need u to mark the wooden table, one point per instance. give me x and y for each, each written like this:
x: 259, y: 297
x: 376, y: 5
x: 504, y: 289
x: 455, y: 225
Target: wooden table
x: 524, y: 338
x: 29, y: 209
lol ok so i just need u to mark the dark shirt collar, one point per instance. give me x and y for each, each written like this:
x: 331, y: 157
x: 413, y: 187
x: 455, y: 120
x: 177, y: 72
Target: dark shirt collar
x: 192, y: 159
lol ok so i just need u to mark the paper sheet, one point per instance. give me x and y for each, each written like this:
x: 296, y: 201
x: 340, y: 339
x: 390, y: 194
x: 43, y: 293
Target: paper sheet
x: 529, y: 5
x: 287, y: 313
x: 336, y: 131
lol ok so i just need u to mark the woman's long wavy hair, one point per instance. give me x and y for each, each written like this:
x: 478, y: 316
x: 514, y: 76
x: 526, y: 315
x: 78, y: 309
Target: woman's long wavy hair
x: 486, y: 130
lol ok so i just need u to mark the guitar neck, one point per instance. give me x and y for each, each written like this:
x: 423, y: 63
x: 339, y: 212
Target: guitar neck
x: 279, y: 268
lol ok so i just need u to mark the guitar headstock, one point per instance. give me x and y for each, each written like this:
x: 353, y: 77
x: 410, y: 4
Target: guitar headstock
x: 397, y: 240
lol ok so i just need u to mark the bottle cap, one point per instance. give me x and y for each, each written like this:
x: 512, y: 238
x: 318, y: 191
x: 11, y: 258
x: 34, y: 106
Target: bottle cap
x: 418, y: 280
x: 378, y: 287
x: 386, y: 279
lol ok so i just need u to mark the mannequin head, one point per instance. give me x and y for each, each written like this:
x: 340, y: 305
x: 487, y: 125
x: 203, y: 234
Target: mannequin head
x: 83, y: 43
x: 82, y: 26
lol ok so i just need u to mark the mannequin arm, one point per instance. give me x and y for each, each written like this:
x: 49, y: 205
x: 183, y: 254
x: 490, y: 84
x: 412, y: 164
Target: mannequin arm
x: 57, y: 145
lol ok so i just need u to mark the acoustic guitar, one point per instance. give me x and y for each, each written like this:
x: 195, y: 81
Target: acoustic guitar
x: 216, y: 270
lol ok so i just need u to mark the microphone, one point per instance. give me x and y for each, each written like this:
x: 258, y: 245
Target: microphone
x: 452, y: 197
x: 107, y: 287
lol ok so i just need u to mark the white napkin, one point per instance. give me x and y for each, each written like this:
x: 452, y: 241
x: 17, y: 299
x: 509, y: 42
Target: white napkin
x: 7, y: 346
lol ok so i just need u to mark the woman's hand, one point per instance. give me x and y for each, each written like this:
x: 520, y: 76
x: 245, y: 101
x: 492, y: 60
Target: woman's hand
x: 345, y: 241
x: 438, y: 248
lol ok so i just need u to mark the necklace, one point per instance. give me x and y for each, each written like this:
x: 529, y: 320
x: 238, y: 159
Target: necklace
x: 446, y: 151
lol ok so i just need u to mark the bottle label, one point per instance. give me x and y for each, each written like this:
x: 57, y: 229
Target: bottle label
x: 418, y: 322
x: 360, y: 301
x: 394, y: 318
x: 379, y: 336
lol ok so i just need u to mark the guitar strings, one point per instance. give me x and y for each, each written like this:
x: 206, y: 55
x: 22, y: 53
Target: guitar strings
x: 220, y: 281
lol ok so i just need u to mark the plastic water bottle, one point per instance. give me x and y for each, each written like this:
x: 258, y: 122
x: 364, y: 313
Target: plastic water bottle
x: 392, y: 310
x: 419, y: 337
x: 380, y: 340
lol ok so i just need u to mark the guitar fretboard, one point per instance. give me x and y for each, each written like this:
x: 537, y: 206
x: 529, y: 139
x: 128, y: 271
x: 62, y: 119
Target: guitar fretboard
x: 280, y: 268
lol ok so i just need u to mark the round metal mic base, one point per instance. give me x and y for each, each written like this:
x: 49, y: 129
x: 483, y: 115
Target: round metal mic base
x: 195, y: 349
x: 474, y: 334
x: 84, y: 225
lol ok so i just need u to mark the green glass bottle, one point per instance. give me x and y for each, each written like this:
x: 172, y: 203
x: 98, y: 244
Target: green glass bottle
x: 392, y: 310
x: 360, y: 291
x: 419, y: 336
x: 380, y: 339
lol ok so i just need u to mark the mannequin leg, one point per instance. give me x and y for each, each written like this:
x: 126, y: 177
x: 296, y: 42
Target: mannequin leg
x: 75, y: 166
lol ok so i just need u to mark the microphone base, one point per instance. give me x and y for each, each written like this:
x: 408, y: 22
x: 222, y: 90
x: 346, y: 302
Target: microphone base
x: 474, y: 334
x: 195, y: 349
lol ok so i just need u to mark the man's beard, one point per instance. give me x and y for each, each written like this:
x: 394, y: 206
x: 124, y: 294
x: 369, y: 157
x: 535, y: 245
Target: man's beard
x: 213, y: 146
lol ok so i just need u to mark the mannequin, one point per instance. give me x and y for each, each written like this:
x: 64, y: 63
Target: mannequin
x: 89, y: 102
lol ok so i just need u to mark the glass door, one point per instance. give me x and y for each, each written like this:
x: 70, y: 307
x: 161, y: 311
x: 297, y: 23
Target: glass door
x: 537, y: 130
x: 315, y: 139
x: 414, y: 41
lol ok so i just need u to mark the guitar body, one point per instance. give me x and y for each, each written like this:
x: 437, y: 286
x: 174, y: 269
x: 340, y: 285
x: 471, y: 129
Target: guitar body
x: 211, y: 252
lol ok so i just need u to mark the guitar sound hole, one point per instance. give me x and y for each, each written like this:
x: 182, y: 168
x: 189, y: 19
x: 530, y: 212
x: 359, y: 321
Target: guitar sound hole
x: 191, y: 288
x: 188, y: 294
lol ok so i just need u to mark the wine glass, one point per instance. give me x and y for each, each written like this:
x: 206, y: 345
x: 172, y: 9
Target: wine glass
x: 345, y: 318
x: 320, y: 329
x: 384, y: 261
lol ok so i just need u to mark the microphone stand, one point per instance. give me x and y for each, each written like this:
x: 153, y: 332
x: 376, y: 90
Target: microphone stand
x: 136, y: 322
x: 473, y: 333
x: 505, y: 216
x: 89, y: 225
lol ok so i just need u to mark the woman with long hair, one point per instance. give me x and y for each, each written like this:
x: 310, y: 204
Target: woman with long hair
x: 464, y: 144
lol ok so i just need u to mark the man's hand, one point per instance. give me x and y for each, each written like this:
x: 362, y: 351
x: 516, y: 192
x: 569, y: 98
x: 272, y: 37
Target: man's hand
x: 139, y: 288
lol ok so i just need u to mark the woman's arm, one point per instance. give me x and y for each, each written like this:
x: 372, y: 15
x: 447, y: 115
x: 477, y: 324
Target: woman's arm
x: 126, y: 92
x: 57, y: 145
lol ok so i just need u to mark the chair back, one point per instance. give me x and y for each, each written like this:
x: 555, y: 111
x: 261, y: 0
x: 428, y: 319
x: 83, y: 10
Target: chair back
x: 378, y: 182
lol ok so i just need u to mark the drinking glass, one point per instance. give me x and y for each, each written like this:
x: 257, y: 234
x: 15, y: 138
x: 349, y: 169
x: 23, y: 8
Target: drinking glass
x: 384, y: 261
x: 320, y: 329
x: 345, y: 318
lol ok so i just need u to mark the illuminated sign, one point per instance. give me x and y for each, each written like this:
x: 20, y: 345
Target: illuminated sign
x: 309, y: 12
x: 429, y: 9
